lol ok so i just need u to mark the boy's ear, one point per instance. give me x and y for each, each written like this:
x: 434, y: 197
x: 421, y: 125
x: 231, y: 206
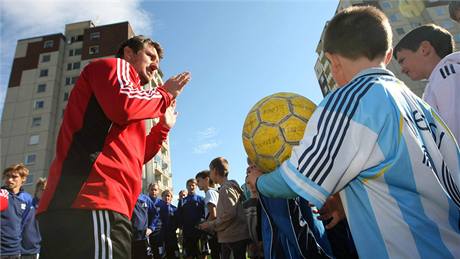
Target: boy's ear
x: 426, y: 48
x: 333, y: 59
x: 388, y: 56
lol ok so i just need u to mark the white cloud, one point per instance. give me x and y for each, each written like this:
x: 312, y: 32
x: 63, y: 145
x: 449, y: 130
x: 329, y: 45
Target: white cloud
x: 205, y: 140
x: 204, y: 147
x: 208, y: 133
x: 20, y: 19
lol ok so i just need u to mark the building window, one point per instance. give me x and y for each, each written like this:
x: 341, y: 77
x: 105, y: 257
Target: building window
x: 36, y: 121
x: 39, y: 104
x: 415, y: 24
x: 75, y: 38
x: 71, y: 52
x: 43, y: 72
x: 93, y: 50
x: 400, y: 31
x: 41, y: 88
x: 76, y: 65
x: 448, y: 24
x: 30, y: 179
x: 95, y: 35
x: 440, y: 11
x: 66, y: 96
x: 46, y: 58
x: 48, y: 44
x: 30, y: 159
x: 74, y: 79
x: 395, y: 17
x: 34, y: 139
x: 457, y: 37
x: 386, y: 5
x: 69, y: 66
x: 67, y: 80
x: 77, y: 52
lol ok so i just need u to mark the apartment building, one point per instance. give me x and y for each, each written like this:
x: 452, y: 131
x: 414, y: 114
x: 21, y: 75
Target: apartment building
x: 403, y: 16
x: 44, y: 71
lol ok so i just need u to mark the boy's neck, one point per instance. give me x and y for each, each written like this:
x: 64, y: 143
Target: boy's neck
x: 430, y: 65
x: 353, y: 67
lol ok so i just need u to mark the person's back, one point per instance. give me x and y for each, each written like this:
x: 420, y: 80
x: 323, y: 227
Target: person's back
x: 231, y: 226
x: 395, y: 205
x: 393, y: 161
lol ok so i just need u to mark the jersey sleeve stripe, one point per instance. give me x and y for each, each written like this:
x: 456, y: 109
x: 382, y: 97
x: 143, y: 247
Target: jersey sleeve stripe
x: 442, y: 73
x: 446, y: 68
x: 315, y: 146
x: 126, y: 85
x: 331, y: 162
x: 450, y: 185
x: 345, y: 102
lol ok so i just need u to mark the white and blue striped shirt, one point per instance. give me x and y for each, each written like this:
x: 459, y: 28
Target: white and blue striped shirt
x: 394, y: 162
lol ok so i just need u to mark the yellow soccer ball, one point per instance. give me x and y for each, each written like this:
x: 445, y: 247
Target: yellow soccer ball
x: 273, y: 125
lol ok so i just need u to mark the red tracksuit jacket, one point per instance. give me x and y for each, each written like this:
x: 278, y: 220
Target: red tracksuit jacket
x: 102, y: 144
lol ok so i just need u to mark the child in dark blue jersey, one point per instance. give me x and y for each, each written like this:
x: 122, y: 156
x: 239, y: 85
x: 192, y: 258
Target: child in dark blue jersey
x: 190, y: 214
x: 168, y: 236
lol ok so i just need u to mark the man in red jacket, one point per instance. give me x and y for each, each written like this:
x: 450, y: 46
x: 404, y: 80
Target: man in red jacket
x: 95, y: 178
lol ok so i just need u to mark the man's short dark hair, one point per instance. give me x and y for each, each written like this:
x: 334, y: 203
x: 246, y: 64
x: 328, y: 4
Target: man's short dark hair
x: 137, y: 43
x: 441, y: 40
x: 359, y: 31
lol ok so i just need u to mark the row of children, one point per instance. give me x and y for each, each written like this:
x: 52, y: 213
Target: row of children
x: 20, y: 236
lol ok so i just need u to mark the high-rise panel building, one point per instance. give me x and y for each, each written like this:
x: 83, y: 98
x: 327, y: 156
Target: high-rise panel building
x: 403, y: 16
x: 44, y: 71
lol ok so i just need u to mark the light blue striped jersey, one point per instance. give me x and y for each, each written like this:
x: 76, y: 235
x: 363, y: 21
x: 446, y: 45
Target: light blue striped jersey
x: 394, y: 162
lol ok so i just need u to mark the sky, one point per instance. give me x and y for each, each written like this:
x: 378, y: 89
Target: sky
x: 237, y: 51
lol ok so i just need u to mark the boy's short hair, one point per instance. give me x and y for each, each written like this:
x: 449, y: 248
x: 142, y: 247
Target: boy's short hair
x: 137, y: 43
x: 205, y: 174
x: 191, y: 180
x: 163, y: 194
x: 358, y: 31
x: 441, y: 40
x: 220, y: 164
x: 20, y: 168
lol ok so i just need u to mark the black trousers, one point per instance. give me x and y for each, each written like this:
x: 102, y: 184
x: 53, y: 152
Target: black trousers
x: 238, y: 249
x: 76, y: 234
x: 141, y: 250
